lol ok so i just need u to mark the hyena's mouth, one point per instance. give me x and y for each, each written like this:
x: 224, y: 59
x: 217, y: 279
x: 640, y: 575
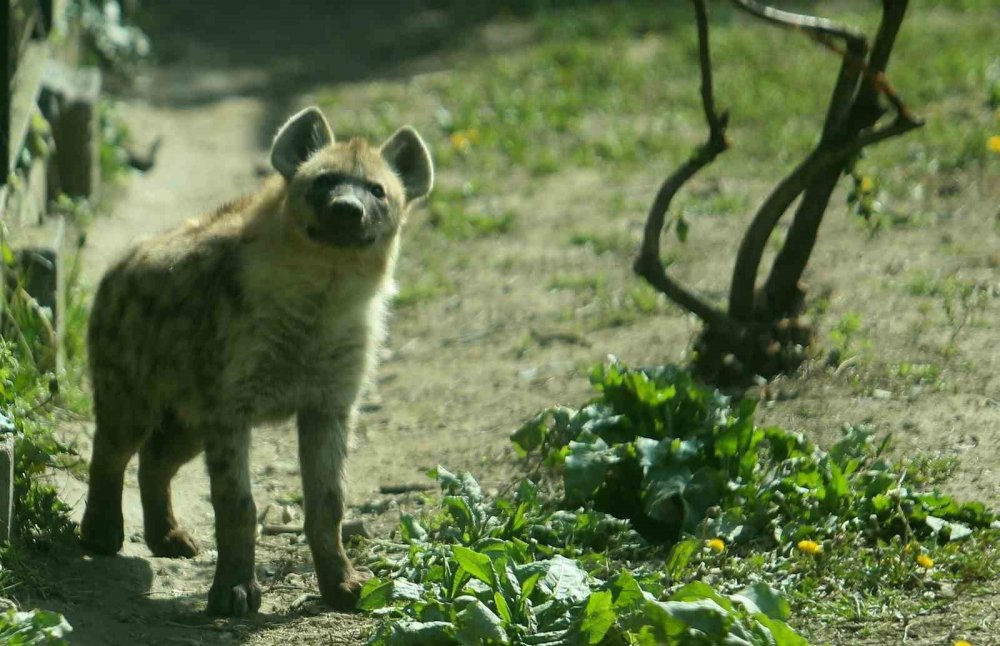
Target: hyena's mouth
x: 341, y: 236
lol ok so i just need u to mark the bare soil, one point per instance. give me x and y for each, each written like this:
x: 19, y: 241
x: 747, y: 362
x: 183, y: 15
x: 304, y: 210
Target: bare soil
x: 460, y: 372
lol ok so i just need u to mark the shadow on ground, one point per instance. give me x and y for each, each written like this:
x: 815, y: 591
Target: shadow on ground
x: 123, y: 605
x: 275, y: 51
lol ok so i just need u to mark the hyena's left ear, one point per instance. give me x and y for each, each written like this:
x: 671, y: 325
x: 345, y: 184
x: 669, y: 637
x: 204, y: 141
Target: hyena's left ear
x: 300, y: 137
x: 408, y: 156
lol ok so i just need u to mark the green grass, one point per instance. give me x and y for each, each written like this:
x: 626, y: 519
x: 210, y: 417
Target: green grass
x: 617, y: 84
x: 617, y: 242
x: 598, y: 304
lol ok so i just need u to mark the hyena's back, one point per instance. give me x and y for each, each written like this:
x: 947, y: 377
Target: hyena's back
x: 158, y: 328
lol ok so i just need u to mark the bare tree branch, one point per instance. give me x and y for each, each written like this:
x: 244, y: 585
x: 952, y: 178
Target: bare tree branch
x: 781, y: 289
x: 819, y: 28
x: 817, y: 175
x: 866, y: 108
x: 741, y: 295
x: 648, y: 264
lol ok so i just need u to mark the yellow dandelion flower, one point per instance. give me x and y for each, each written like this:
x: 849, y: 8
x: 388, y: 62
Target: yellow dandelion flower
x: 993, y: 143
x: 812, y: 548
x: 462, y: 139
x: 961, y: 642
x: 717, y: 545
x: 925, y: 561
x: 867, y: 185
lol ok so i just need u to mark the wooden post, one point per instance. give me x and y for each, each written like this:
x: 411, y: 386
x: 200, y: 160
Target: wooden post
x: 7, y: 57
x: 6, y: 488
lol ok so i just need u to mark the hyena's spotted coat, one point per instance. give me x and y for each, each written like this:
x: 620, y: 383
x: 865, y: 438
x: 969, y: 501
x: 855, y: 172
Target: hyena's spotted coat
x: 270, y: 307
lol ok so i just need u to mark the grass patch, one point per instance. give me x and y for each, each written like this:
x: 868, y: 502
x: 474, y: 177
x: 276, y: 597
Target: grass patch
x: 963, y: 302
x: 599, y: 305
x: 618, y: 242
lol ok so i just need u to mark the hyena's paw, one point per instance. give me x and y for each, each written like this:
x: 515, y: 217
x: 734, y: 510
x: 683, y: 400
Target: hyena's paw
x: 177, y: 543
x: 234, y: 600
x: 101, y: 534
x: 344, y: 595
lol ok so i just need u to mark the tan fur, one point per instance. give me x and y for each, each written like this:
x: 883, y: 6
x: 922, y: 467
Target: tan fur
x: 240, y: 317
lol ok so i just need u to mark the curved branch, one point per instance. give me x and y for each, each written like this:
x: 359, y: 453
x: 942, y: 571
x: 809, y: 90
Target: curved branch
x: 819, y: 28
x: 866, y: 108
x: 852, y: 110
x: 822, y: 158
x: 648, y: 264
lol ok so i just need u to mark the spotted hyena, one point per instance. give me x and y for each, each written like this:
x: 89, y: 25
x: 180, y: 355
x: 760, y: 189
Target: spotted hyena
x: 272, y: 306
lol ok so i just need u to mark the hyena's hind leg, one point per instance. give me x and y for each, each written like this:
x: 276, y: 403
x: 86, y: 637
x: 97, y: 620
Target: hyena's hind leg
x: 169, y: 447
x: 117, y: 437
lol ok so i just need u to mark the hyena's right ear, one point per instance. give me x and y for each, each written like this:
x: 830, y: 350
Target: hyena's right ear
x: 298, y: 139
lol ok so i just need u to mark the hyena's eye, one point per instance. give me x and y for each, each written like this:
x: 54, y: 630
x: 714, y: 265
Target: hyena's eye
x: 325, y: 182
x: 377, y: 191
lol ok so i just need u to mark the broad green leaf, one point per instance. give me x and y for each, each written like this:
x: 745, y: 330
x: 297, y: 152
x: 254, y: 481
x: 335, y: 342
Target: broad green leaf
x: 697, y: 590
x: 671, y: 619
x: 682, y: 229
x: 379, y: 594
x: 947, y: 530
x: 837, y: 488
x: 705, y: 489
x: 680, y: 556
x: 781, y: 633
x: 503, y: 609
x: 531, y: 435
x: 564, y: 579
x: 463, y: 484
x: 598, y: 616
x: 586, y: 467
x: 411, y: 529
x: 762, y: 598
x: 414, y: 633
x: 476, y: 564
x: 461, y: 511
x: 476, y: 625
x: 627, y: 593
x: 663, y: 488
x: 8, y: 254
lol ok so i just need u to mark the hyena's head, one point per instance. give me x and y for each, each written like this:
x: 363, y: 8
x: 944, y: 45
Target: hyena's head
x: 348, y: 194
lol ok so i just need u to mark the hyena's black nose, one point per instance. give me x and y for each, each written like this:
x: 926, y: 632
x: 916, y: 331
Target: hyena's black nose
x: 347, y: 207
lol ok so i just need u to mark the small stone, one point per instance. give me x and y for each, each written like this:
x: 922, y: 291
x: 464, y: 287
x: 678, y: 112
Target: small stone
x: 878, y: 393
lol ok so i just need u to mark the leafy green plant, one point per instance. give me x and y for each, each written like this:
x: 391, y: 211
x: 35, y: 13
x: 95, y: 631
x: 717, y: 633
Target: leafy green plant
x: 38, y: 512
x: 520, y: 572
x: 843, y: 337
x: 33, y: 627
x: 28, y: 388
x: 676, y: 457
x: 962, y: 301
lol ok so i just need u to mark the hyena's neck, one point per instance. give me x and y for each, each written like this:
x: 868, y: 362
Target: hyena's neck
x: 288, y: 275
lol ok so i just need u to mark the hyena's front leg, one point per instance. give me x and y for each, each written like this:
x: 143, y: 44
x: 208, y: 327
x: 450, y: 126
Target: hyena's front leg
x: 235, y: 590
x: 322, y: 450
